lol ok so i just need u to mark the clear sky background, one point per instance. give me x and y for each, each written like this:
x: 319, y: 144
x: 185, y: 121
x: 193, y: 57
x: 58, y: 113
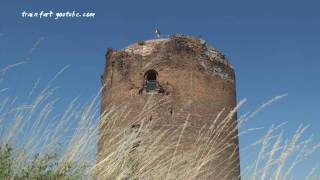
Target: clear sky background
x: 273, y: 45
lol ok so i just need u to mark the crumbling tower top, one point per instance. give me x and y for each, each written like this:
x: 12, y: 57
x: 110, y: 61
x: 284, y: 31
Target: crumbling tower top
x: 211, y: 59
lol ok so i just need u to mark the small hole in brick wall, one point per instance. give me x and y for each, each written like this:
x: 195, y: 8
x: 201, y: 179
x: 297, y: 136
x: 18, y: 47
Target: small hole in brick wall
x: 135, y: 126
x: 171, y: 110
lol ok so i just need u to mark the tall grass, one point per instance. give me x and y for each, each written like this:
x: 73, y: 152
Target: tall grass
x: 40, y: 142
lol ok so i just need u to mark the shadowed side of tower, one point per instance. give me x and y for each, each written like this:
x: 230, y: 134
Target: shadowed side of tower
x: 195, y: 81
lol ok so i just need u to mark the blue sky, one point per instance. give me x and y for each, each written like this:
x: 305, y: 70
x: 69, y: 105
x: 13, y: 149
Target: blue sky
x: 273, y: 46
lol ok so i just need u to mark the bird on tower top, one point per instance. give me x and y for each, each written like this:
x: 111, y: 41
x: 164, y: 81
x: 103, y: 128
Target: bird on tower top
x: 157, y: 32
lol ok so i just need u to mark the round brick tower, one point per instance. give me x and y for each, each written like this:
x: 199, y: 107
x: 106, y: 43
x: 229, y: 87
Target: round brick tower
x: 198, y: 84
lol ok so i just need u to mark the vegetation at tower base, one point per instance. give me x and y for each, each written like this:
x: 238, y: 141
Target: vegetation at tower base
x: 44, y: 167
x: 149, y: 152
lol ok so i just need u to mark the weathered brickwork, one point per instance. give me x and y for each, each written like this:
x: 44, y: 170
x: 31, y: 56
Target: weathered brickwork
x: 194, y: 78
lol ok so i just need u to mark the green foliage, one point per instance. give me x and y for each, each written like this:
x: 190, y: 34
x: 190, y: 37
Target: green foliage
x: 40, y: 167
x: 5, y: 162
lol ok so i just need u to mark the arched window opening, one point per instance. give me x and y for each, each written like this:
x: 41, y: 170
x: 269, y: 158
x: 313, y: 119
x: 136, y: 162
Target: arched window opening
x: 151, y: 83
x: 151, y: 76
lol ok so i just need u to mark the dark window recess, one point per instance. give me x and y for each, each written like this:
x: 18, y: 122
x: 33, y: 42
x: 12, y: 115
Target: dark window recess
x: 151, y: 83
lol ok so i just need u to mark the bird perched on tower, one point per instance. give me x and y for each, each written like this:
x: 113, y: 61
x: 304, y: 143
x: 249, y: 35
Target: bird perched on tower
x: 157, y: 32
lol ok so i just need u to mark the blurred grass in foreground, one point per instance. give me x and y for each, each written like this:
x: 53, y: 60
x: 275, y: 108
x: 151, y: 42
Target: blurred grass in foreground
x: 38, y: 143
